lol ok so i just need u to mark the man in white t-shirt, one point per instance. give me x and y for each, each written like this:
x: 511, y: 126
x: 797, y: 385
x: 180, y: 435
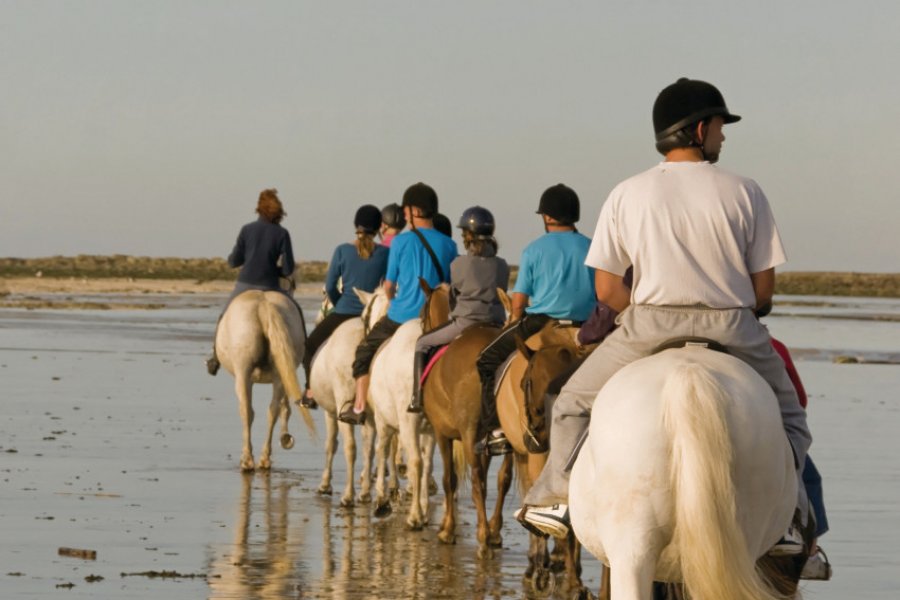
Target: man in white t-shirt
x: 704, y: 247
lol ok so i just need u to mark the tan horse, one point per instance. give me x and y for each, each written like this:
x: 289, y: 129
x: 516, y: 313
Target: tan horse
x: 260, y: 340
x: 452, y: 402
x: 548, y: 354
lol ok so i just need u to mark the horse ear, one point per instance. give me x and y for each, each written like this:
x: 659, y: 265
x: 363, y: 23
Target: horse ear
x: 505, y: 300
x: 520, y: 345
x: 425, y: 287
x: 363, y: 295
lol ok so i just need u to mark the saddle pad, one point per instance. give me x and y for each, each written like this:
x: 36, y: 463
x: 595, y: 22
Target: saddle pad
x: 431, y: 362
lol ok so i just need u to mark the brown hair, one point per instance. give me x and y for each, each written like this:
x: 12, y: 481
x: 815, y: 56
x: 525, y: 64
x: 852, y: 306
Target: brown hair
x: 478, y: 244
x: 269, y: 206
x: 365, y: 244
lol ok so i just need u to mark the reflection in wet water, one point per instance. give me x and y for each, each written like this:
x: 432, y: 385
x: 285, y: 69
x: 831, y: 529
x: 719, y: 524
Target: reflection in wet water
x: 288, y: 544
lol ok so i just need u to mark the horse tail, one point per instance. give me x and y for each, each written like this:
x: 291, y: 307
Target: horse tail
x: 714, y: 559
x: 460, y: 465
x: 281, y: 350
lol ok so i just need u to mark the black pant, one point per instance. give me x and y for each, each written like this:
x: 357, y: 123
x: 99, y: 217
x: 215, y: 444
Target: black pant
x: 320, y: 335
x: 365, y: 352
x: 504, y: 344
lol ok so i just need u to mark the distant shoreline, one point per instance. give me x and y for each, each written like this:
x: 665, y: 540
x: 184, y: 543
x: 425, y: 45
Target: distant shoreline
x: 140, y: 274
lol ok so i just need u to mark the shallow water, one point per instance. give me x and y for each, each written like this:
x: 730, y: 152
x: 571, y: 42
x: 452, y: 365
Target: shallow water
x: 112, y: 438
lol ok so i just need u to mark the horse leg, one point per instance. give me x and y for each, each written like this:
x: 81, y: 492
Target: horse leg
x: 504, y: 481
x: 447, y: 533
x: 427, y: 445
x: 573, y: 564
x: 409, y: 440
x: 382, y: 443
x: 349, y: 438
x: 479, y: 466
x: 365, y: 475
x: 242, y: 386
x: 632, y: 576
x: 331, y: 428
x: 265, y: 460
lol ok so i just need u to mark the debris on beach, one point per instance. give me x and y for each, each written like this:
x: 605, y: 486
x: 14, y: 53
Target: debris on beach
x: 78, y: 553
x: 93, y: 578
x: 169, y: 575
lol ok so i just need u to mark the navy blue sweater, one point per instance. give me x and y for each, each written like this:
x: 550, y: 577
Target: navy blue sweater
x: 259, y: 246
x: 354, y: 272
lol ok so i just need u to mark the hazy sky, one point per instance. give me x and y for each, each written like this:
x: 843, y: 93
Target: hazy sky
x: 149, y: 127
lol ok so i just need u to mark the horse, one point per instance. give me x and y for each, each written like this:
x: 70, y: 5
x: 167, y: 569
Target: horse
x: 390, y: 390
x: 332, y: 385
x: 539, y: 361
x: 260, y: 339
x: 452, y: 404
x: 686, y: 476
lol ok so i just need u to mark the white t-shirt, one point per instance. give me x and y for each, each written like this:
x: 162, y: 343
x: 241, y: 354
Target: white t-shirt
x: 693, y: 232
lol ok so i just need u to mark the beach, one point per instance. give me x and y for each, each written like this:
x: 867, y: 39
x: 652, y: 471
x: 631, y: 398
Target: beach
x: 114, y: 439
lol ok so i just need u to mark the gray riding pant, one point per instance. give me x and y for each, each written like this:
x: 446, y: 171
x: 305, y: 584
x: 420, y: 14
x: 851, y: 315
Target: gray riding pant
x: 641, y: 329
x: 443, y: 334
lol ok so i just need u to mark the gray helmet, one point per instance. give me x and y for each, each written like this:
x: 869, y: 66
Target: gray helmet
x: 392, y: 216
x: 477, y: 220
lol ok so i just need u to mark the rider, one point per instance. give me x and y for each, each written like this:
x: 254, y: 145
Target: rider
x: 410, y: 259
x: 553, y: 276
x: 443, y: 225
x: 392, y: 222
x: 359, y: 265
x: 704, y: 247
x: 263, y: 251
x: 474, y: 279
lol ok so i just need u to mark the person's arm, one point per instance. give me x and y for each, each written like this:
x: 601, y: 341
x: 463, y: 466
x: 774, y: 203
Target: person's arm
x: 390, y: 289
x: 763, y: 287
x: 331, y: 277
x: 519, y: 303
x: 611, y: 290
x: 236, y: 258
x: 287, y: 252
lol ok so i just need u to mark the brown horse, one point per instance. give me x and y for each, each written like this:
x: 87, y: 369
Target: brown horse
x: 452, y: 403
x: 542, y: 359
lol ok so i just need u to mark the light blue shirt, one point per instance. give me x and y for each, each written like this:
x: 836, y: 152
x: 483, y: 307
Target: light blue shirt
x: 408, y: 260
x: 553, y: 275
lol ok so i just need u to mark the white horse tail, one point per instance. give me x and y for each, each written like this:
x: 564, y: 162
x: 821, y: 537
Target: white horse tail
x: 281, y: 350
x: 714, y: 559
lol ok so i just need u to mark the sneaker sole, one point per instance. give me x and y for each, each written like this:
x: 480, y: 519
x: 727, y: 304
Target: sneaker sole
x: 550, y: 527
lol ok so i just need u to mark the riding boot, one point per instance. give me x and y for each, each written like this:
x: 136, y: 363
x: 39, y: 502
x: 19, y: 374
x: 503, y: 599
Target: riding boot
x: 418, y: 368
x: 490, y: 438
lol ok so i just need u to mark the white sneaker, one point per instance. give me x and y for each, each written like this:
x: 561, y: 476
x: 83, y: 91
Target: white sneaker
x: 817, y: 567
x: 790, y: 544
x: 549, y: 520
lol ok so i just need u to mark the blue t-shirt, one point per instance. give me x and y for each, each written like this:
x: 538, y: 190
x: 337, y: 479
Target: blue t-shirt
x: 553, y: 275
x: 354, y: 272
x: 409, y: 260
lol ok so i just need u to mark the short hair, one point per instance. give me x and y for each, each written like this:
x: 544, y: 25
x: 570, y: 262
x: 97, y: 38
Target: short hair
x: 269, y: 206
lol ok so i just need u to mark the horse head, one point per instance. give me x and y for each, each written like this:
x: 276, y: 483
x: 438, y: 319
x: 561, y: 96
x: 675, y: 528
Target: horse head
x: 436, y: 309
x: 375, y: 306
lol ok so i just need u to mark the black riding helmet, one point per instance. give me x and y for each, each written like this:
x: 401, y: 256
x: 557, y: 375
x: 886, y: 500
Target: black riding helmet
x: 367, y: 219
x: 442, y: 224
x: 477, y: 220
x: 561, y: 203
x: 423, y: 197
x: 392, y: 216
x: 682, y: 104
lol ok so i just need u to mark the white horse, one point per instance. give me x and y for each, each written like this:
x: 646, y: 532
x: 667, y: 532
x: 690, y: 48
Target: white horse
x: 260, y: 340
x: 686, y: 476
x: 332, y: 385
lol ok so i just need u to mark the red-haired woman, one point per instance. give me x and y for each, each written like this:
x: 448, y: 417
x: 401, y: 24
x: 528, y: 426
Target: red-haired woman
x: 263, y: 251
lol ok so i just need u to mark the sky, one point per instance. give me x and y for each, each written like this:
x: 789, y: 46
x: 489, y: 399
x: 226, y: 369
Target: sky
x: 149, y: 128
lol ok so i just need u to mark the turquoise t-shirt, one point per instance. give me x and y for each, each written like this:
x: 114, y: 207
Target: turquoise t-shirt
x: 553, y: 275
x: 409, y: 260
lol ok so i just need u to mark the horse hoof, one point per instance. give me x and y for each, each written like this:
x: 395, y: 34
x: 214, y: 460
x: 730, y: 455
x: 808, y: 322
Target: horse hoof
x: 383, y: 510
x: 447, y: 537
x: 247, y: 465
x: 394, y: 494
x: 485, y: 553
x: 264, y: 465
x: 495, y: 540
x: 414, y: 524
x: 347, y: 502
x: 543, y: 583
x: 324, y: 490
x: 287, y: 441
x: 365, y: 498
x: 583, y: 594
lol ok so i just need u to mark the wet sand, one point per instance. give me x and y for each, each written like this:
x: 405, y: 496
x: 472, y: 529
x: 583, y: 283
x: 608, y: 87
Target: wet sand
x: 113, y: 438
